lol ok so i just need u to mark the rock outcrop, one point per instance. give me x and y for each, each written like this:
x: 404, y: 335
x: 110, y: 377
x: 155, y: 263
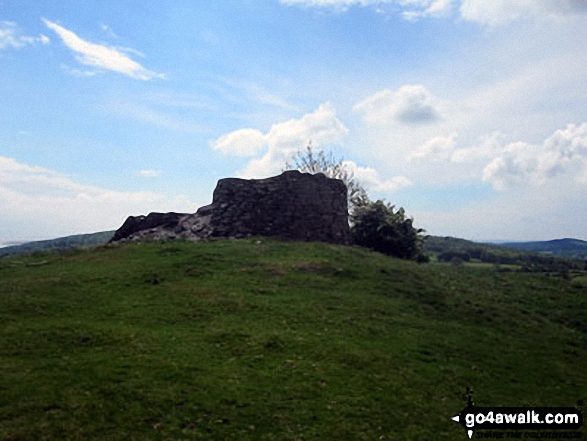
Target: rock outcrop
x: 293, y: 205
x: 136, y: 224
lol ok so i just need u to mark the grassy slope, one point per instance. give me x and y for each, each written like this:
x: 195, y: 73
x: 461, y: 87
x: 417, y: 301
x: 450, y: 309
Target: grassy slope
x: 260, y: 341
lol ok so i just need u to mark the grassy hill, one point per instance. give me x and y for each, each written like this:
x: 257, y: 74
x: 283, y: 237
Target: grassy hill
x: 268, y: 340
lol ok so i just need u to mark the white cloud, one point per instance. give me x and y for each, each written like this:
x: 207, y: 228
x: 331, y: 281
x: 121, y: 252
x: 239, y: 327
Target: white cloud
x: 496, y: 12
x: 486, y: 148
x: 336, y: 4
x: 244, y: 142
x: 51, y: 204
x: 150, y: 173
x: 507, y: 165
x: 372, y: 181
x: 10, y: 36
x: 488, y: 12
x: 100, y: 56
x: 343, y: 5
x: 444, y: 148
x: 439, y: 148
x: 320, y: 127
x: 520, y: 99
x: 563, y: 153
x: 439, y: 8
x: 130, y: 50
x: 410, y: 104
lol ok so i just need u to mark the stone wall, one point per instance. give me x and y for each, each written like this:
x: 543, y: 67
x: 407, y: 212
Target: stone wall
x: 293, y: 205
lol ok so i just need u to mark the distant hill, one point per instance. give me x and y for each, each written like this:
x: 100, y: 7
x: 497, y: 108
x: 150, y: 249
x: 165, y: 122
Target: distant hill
x: 452, y: 249
x: 534, y: 256
x: 438, y: 245
x: 60, y: 244
x: 560, y: 247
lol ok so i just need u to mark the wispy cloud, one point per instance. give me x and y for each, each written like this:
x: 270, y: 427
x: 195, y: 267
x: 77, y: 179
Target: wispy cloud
x: 253, y: 91
x: 80, y: 72
x: 410, y: 9
x: 53, y: 204
x: 150, y: 173
x: 108, y: 30
x: 340, y: 5
x: 11, y: 36
x: 100, y: 56
x: 151, y: 114
x: 487, y: 12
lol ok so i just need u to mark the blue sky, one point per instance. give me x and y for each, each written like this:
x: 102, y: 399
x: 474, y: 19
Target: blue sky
x: 471, y: 114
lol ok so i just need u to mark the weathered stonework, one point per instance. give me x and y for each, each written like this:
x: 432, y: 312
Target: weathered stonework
x: 293, y: 205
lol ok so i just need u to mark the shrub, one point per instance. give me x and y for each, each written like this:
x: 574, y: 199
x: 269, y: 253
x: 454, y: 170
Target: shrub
x: 375, y: 225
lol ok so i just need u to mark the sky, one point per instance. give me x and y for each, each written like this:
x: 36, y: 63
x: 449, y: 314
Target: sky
x: 470, y: 114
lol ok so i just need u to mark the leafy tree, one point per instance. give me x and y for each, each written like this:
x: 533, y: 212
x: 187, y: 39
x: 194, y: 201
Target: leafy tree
x: 375, y: 225
x: 317, y: 161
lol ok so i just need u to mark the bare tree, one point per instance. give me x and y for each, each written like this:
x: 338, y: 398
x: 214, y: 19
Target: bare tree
x: 318, y: 161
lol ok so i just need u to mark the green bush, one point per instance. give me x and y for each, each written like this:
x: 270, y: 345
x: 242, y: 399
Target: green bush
x: 375, y: 225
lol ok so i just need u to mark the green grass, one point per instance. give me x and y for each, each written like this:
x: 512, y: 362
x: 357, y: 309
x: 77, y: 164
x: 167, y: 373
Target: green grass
x: 269, y: 340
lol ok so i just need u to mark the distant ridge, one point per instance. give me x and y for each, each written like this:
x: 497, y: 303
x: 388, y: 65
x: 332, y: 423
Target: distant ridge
x: 567, y: 247
x: 59, y: 244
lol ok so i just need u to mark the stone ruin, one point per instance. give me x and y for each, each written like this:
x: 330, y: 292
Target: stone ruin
x: 293, y: 206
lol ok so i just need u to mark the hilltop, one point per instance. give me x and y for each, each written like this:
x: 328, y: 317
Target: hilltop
x: 264, y: 339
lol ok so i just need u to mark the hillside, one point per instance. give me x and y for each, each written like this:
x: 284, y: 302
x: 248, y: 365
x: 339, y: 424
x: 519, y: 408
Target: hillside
x: 449, y: 249
x: 258, y: 339
x: 559, y: 247
x: 59, y: 244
